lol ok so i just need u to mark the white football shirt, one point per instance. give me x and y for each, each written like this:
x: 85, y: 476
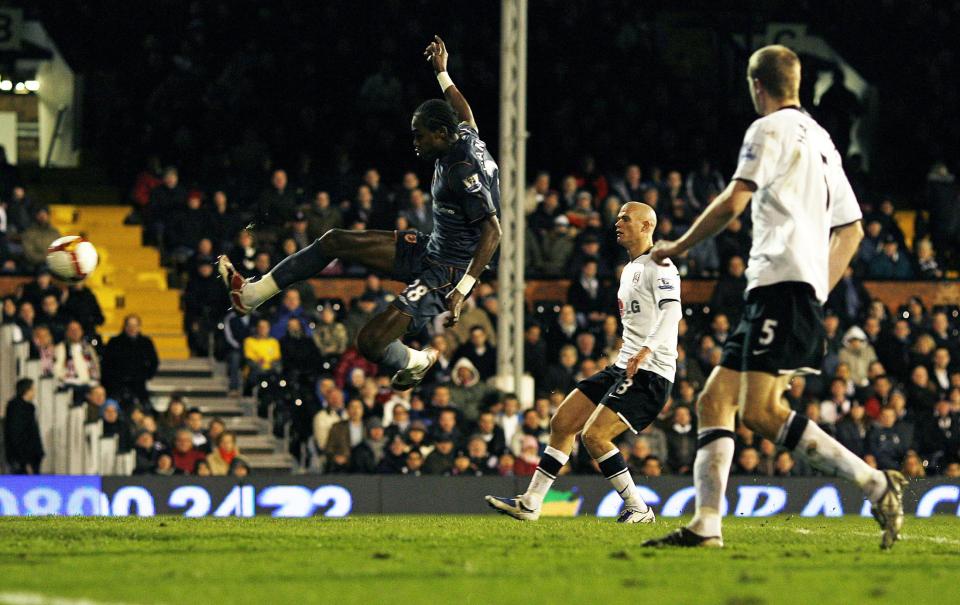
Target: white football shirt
x: 645, y: 287
x: 802, y: 193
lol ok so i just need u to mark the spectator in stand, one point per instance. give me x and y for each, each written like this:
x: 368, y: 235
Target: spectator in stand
x: 129, y: 361
x: 885, y: 442
x: 727, y: 296
x: 419, y: 215
x: 261, y: 351
x: 81, y: 304
x: 330, y: 336
x: 45, y: 350
x: 468, y: 391
x: 858, y: 354
x: 920, y: 392
x: 785, y: 465
x: 939, y: 436
x: 560, y: 376
x: 442, y: 370
x: 332, y: 413
x: 291, y: 308
x: 837, y: 406
x: 204, y: 302
x: 146, y: 181
x: 197, y: 434
x: 894, y: 350
x: 479, y: 352
x: 76, y: 365
x: 322, y: 216
x: 301, y: 359
x: 942, y: 334
x: 586, y: 294
x: 543, y: 219
x: 927, y: 265
x: 360, y: 314
x: 871, y: 244
x: 147, y: 451
x: 890, y: 263
x: 556, y: 249
x: 166, y: 202
x: 183, y: 230
x: 733, y: 241
x: 185, y: 454
x: 344, y: 436
x: 703, y: 185
x: 114, y: 423
x: 849, y: 298
x: 236, y: 328
x: 21, y: 432
x: 366, y: 456
x: 491, y: 434
x: 482, y: 462
x: 276, y: 205
x: 748, y: 462
x: 94, y: 400
x: 440, y: 460
x: 224, y: 223
x: 630, y: 188
x: 394, y: 457
x: 36, y: 291
x: 852, y: 431
x: 243, y: 255
x: 681, y: 441
x: 36, y: 238
x: 52, y: 316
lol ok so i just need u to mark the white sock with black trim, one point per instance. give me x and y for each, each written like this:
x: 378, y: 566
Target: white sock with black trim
x: 547, y: 471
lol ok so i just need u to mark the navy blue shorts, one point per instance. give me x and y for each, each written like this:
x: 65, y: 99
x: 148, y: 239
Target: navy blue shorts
x: 428, y: 282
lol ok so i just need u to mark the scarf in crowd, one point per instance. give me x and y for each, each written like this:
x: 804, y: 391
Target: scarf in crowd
x: 227, y: 456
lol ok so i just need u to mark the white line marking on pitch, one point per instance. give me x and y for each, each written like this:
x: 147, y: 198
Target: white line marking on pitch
x: 935, y: 539
x: 33, y: 598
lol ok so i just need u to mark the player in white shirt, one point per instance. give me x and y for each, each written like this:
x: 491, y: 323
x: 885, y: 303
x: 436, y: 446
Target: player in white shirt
x: 806, y: 229
x: 626, y: 395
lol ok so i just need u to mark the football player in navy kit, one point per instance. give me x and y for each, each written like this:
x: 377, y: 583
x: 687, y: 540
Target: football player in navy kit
x: 440, y: 269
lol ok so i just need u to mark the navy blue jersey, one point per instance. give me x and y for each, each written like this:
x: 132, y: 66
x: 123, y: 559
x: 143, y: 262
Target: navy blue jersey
x: 466, y: 190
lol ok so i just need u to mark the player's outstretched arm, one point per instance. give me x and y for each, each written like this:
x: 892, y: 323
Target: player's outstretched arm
x: 844, y: 242
x: 727, y: 206
x: 489, y: 240
x: 436, y: 54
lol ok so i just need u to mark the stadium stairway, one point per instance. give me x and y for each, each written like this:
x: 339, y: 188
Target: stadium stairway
x: 203, y: 383
x: 130, y: 278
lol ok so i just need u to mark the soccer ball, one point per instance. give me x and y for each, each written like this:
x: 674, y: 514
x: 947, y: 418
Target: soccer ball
x: 72, y: 258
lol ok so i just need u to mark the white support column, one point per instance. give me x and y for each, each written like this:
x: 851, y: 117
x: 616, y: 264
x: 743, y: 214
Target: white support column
x: 512, y: 160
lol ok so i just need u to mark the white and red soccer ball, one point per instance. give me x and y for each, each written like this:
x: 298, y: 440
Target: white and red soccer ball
x: 72, y: 258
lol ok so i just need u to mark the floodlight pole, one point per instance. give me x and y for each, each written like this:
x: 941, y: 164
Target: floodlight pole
x: 513, y: 148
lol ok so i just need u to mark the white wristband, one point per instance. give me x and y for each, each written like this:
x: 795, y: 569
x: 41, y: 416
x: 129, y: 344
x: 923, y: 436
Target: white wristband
x: 466, y: 284
x: 444, y: 79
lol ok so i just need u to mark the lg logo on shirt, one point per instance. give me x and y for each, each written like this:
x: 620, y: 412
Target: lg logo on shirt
x: 624, y: 310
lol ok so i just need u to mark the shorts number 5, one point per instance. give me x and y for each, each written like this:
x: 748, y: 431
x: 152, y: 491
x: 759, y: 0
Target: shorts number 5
x: 766, y: 331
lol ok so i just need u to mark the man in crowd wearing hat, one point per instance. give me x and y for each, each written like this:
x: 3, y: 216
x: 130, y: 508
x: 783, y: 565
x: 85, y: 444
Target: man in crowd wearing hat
x: 556, y: 249
x: 890, y: 263
x: 858, y: 354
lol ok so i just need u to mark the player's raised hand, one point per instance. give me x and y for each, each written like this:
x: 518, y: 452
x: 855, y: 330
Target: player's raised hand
x: 436, y: 54
x: 633, y: 364
x: 454, y: 304
x: 663, y: 250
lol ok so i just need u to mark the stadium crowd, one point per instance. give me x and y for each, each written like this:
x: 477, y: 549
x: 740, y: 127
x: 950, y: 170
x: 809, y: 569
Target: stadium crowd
x: 890, y: 386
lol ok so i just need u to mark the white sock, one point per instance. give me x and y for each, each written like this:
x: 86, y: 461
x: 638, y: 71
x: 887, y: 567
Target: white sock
x: 623, y: 483
x: 711, y: 469
x: 255, y: 293
x: 418, y: 359
x: 827, y: 455
x: 553, y: 459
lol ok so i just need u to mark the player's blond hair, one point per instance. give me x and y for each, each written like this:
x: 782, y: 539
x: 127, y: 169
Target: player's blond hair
x: 778, y: 69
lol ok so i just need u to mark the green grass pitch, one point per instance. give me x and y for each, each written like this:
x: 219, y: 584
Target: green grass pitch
x: 459, y: 559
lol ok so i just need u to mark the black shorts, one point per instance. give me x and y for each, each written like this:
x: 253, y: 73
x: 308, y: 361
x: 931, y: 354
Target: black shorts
x: 637, y: 401
x: 428, y: 282
x: 781, y: 332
